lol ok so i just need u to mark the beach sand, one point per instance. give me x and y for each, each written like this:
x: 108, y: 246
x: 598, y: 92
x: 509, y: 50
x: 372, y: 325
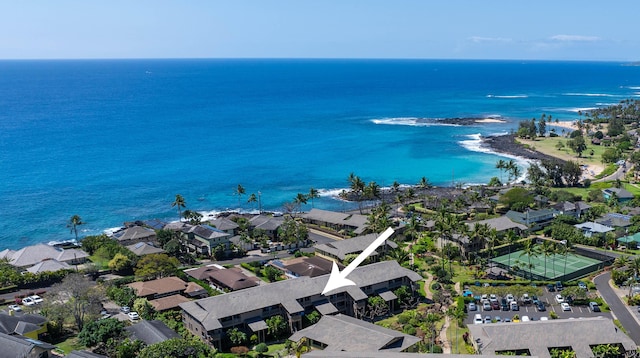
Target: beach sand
x: 565, y: 124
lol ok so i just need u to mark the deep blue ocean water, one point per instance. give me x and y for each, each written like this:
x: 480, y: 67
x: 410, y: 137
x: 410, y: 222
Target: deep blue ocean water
x: 115, y: 140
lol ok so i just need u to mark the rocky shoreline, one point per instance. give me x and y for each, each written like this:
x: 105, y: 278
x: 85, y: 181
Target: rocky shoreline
x: 507, y: 144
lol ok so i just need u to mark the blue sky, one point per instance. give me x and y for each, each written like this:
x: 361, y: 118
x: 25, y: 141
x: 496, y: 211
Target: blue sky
x: 447, y: 29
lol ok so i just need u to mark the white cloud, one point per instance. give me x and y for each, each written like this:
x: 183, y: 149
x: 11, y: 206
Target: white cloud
x: 575, y: 38
x: 480, y: 39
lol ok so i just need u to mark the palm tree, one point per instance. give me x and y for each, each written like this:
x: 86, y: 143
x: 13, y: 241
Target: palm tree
x: 299, y: 200
x: 313, y: 194
x: 509, y: 167
x: 73, y: 224
x: 547, y: 250
x: 511, y: 238
x: 424, y: 183
x: 492, y: 238
x: 180, y: 203
x: 564, y: 250
x: 252, y: 198
x: 501, y: 164
x: 530, y: 250
x: 399, y: 255
x: 240, y: 191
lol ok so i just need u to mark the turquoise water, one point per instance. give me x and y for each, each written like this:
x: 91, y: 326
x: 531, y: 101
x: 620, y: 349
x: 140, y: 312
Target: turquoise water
x: 114, y: 141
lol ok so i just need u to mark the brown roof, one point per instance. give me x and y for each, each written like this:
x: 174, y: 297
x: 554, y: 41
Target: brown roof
x: 232, y: 278
x: 193, y: 289
x: 309, y: 266
x: 167, y: 303
x: 159, y: 286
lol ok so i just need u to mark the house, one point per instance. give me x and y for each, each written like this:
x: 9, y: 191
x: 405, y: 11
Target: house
x: 500, y: 224
x: 574, y: 209
x: 308, y: 266
x: 32, y: 255
x: 168, y: 302
x: 615, y: 220
x: 342, y: 333
x: 245, y: 243
x: 144, y: 248
x: 19, y: 346
x: 269, y: 224
x: 338, y: 250
x: 211, y: 317
x: 162, y: 287
x: 337, y: 221
x: 631, y: 241
x: 621, y: 194
x: 151, y: 332
x: 533, y: 219
x: 223, y: 279
x: 203, y: 239
x: 225, y: 225
x: 49, y: 266
x: 28, y: 325
x: 579, y: 335
x: 135, y: 234
x: 590, y: 228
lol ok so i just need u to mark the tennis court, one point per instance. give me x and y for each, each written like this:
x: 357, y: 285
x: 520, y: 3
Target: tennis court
x: 558, y: 267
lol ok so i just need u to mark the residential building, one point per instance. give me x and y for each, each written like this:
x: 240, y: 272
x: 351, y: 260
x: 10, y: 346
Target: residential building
x: 615, y: 220
x: 631, y: 241
x: 225, y: 225
x: 151, y: 332
x: 579, y: 335
x: 338, y: 250
x: 32, y: 255
x: 135, y: 234
x: 211, y: 317
x: 19, y: 346
x: 337, y: 221
x: 203, y: 239
x: 308, y: 266
x: 533, y: 219
x: 30, y: 325
x: 223, y: 279
x: 269, y: 224
x: 49, y: 266
x: 167, y: 293
x: 576, y: 209
x: 590, y: 228
x: 500, y: 224
x: 144, y: 248
x: 341, y: 333
x: 622, y: 195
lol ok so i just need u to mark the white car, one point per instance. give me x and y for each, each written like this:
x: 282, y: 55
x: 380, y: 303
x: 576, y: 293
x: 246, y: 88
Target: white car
x: 28, y: 301
x: 15, y: 308
x: 133, y: 316
x: 544, y: 318
x: 477, y: 319
x: 559, y: 298
x: 565, y: 306
x: 37, y: 299
x: 510, y: 298
x: 525, y: 319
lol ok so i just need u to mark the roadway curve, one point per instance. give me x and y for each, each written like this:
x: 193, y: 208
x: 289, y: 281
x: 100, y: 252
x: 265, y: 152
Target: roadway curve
x: 618, y: 308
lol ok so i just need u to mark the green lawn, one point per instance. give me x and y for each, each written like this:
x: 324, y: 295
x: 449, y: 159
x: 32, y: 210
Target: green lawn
x: 71, y: 344
x: 548, y: 146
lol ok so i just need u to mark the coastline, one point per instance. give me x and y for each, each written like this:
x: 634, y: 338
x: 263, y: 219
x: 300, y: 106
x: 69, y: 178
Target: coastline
x: 506, y: 144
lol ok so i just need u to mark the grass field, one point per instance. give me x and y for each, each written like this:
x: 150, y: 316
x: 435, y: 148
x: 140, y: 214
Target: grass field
x: 548, y: 146
x: 550, y: 267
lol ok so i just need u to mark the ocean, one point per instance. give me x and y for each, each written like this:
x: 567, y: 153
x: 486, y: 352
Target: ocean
x: 116, y: 140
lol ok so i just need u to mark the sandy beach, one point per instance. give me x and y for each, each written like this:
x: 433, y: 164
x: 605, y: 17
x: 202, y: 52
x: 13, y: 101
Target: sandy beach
x: 565, y: 124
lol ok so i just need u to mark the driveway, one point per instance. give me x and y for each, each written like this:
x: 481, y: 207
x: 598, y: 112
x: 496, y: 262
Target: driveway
x: 618, y: 308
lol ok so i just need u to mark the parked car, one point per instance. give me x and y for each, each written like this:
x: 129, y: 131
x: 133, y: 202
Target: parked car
x: 551, y: 288
x: 559, y: 286
x: 473, y: 306
x: 510, y: 298
x: 514, y: 306
x: 582, y: 285
x: 541, y: 306
x: 525, y: 319
x: 486, y: 306
x: 15, y: 308
x: 526, y: 299
x: 568, y: 299
x: 125, y: 309
x: 504, y: 305
x: 292, y: 251
x: 37, y: 299
x: 493, y: 297
x: 487, y: 319
x: 594, y: 306
x: 565, y: 306
x: 495, y: 305
x: 477, y: 319
x: 543, y: 318
x: 133, y: 316
x: 497, y: 319
x: 28, y: 301
x: 559, y: 298
x: 535, y: 300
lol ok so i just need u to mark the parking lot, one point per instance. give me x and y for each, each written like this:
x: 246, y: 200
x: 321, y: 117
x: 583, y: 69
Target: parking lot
x: 531, y: 311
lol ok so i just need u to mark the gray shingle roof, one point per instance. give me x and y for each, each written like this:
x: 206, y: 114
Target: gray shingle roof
x: 136, y: 233
x: 71, y: 254
x: 265, y: 222
x: 344, y: 333
x: 207, y: 232
x: 501, y: 223
x: 594, y: 227
x: 49, y: 266
x: 209, y: 310
x: 144, y: 248
x: 151, y: 332
x: 577, y: 333
x: 31, y: 255
x: 356, y: 221
x: 342, y: 248
x: 224, y: 224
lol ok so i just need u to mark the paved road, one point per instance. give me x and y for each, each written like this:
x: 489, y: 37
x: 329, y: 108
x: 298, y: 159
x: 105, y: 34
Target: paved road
x: 618, y: 308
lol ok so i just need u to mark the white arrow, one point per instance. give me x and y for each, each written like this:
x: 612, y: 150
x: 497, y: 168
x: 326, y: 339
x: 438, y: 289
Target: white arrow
x: 339, y: 279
